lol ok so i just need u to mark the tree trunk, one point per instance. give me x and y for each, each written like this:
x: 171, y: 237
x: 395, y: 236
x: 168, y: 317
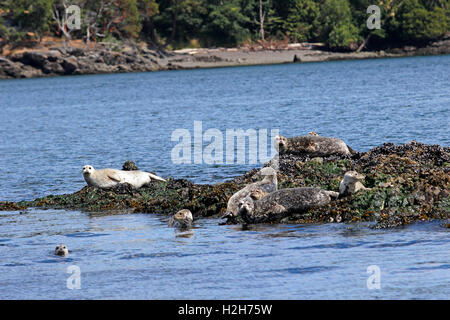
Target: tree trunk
x: 174, y: 26
x: 363, y: 45
x: 261, y: 20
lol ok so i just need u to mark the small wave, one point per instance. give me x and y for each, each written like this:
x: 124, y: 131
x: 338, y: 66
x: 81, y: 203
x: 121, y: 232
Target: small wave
x: 86, y: 235
x: 16, y: 264
x: 399, y: 244
x: 341, y: 245
x: 442, y: 266
x: 155, y: 255
x: 306, y: 270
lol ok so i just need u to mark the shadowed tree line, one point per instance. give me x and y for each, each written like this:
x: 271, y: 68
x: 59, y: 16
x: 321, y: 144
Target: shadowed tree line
x: 170, y: 24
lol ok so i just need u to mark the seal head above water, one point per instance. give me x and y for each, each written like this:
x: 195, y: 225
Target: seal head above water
x: 61, y: 250
x: 182, y: 219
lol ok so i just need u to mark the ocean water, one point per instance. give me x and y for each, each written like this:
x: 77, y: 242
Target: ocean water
x: 51, y: 127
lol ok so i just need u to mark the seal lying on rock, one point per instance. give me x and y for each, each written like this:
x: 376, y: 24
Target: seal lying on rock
x: 61, y: 250
x: 107, y: 178
x: 278, y: 204
x: 268, y: 184
x: 351, y: 183
x: 313, y: 145
x: 182, y: 219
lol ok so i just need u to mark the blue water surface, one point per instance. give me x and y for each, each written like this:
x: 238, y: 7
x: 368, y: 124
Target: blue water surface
x: 51, y: 127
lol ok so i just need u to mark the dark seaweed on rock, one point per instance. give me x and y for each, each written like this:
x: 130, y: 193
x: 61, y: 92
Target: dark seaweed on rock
x: 409, y: 182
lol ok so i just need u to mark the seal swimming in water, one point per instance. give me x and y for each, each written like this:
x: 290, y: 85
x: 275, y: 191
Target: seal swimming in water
x: 61, y: 250
x: 107, y: 178
x: 313, y: 145
x: 268, y: 184
x: 278, y: 204
x: 181, y: 219
x: 351, y: 183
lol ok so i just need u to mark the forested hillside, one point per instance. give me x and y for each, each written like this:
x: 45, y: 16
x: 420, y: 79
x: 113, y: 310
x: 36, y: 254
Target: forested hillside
x: 171, y: 24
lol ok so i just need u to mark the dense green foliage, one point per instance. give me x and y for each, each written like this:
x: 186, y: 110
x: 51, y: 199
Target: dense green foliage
x: 341, y: 24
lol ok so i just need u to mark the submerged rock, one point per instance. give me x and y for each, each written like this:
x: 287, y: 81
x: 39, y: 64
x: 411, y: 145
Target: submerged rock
x: 408, y: 183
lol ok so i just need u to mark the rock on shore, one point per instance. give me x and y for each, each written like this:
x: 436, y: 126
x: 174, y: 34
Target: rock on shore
x: 408, y: 183
x: 60, y: 61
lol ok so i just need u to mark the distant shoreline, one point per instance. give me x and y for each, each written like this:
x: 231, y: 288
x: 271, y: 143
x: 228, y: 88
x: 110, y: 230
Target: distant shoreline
x: 55, y: 60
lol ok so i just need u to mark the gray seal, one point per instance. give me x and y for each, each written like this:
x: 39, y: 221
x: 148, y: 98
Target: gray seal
x: 313, y: 145
x: 268, y: 184
x: 280, y: 203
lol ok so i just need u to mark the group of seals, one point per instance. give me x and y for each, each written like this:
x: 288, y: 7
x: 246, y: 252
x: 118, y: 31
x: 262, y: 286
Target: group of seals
x: 277, y: 204
x: 259, y: 206
x: 256, y: 203
x: 108, y: 178
x: 268, y: 184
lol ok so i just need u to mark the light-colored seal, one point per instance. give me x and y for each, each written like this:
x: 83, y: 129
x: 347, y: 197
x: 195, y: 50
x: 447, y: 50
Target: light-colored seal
x: 280, y: 203
x: 182, y: 219
x: 107, y: 178
x: 61, y: 250
x: 268, y: 184
x: 313, y: 145
x: 257, y: 194
x: 351, y: 183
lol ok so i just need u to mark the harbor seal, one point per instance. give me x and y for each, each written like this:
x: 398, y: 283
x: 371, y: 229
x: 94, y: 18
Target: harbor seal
x: 268, y: 184
x: 280, y: 203
x: 313, y: 145
x: 182, y: 219
x: 351, y: 183
x: 107, y: 178
x: 61, y: 250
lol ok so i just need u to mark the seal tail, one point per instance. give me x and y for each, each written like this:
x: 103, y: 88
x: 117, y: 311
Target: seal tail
x: 352, y: 152
x: 155, y: 177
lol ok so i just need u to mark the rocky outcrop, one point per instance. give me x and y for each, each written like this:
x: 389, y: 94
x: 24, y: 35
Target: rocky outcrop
x: 60, y: 61
x: 407, y: 183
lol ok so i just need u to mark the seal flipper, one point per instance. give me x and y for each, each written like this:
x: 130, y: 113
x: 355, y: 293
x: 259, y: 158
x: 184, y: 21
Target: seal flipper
x: 113, y: 177
x: 155, y: 177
